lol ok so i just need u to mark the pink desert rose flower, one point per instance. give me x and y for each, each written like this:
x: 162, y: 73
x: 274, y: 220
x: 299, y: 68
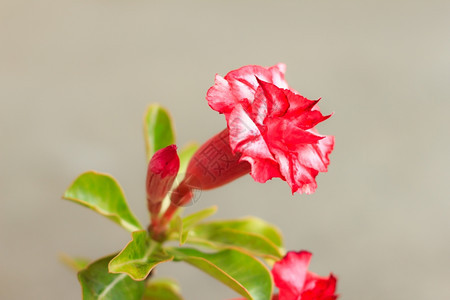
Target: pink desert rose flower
x: 270, y: 133
x: 271, y: 126
x: 295, y: 282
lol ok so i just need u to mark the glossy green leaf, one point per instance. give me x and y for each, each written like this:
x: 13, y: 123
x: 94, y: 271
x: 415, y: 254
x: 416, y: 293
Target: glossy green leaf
x: 185, y: 155
x: 75, y: 263
x: 198, y: 216
x: 183, y: 237
x: 139, y: 257
x: 249, y: 224
x: 103, y: 194
x: 177, y: 226
x: 252, y: 243
x: 251, y: 234
x: 162, y: 289
x: 238, y: 270
x: 98, y: 284
x: 182, y: 226
x: 158, y: 129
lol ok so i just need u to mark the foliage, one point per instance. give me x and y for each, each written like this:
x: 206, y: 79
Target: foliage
x: 238, y: 245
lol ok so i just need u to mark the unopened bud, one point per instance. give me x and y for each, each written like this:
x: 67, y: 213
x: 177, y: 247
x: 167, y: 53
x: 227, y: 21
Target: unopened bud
x: 162, y: 171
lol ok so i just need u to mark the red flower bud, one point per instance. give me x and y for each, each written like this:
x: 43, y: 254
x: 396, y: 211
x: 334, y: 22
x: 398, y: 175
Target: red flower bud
x: 162, y: 171
x: 213, y: 165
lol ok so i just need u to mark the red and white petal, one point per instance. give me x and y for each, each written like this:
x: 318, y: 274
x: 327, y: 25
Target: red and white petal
x: 281, y: 134
x: 259, y: 109
x: 324, y: 148
x: 288, y: 295
x: 319, y: 288
x: 294, y: 138
x: 243, y: 80
x: 305, y: 179
x: 308, y: 119
x: 262, y: 169
x: 311, y: 156
x: 219, y: 96
x: 300, y: 178
x: 278, y: 75
x: 298, y: 103
x: 289, y: 274
x: 245, y: 136
x: 276, y: 101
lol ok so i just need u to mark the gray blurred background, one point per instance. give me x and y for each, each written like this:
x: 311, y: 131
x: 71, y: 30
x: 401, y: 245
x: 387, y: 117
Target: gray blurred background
x: 77, y: 76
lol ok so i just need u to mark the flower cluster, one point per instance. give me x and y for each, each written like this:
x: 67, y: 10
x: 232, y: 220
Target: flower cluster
x: 270, y: 133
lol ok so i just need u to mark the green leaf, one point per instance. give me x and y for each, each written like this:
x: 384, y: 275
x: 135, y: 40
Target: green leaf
x: 238, y: 270
x: 103, y: 194
x: 223, y: 238
x: 162, y: 289
x: 98, y: 284
x: 75, y: 263
x: 182, y: 226
x: 185, y: 156
x: 139, y: 257
x: 158, y: 129
x: 177, y: 226
x: 198, y: 216
x: 251, y: 235
x: 250, y: 225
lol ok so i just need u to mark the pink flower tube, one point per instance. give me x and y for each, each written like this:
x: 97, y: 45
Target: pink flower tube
x: 212, y: 165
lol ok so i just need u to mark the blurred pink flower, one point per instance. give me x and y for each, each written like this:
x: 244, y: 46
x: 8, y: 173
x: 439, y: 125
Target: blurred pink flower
x: 295, y: 282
